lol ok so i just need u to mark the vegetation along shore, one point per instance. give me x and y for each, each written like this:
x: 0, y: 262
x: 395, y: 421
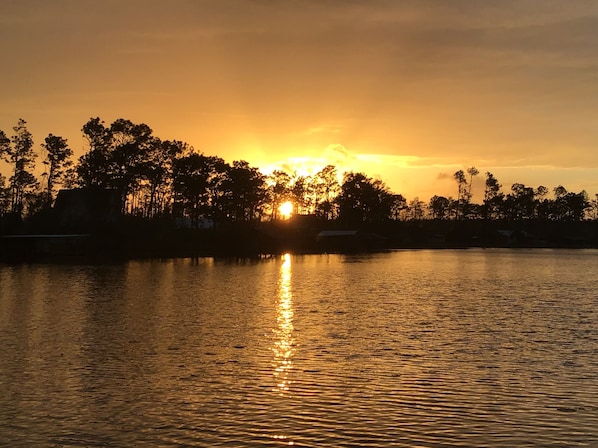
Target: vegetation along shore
x: 132, y: 194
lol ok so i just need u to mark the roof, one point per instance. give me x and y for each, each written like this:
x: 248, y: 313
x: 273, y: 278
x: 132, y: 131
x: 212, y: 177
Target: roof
x: 336, y: 233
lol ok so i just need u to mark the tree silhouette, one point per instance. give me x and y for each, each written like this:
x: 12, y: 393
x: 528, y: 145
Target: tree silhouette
x: 279, y: 190
x: 124, y: 156
x: 20, y: 155
x: 4, y: 196
x: 520, y: 204
x: 462, y: 198
x: 593, y: 206
x: 4, y: 191
x: 4, y: 144
x: 131, y: 144
x: 364, y: 200
x: 398, y: 207
x: 196, y: 182
x: 472, y: 171
x: 568, y: 206
x: 57, y: 162
x: 325, y: 188
x: 416, y: 209
x: 244, y: 195
x: 493, y: 198
x: 439, y: 207
x: 168, y: 179
x: 300, y: 193
x: 155, y: 173
x: 93, y: 168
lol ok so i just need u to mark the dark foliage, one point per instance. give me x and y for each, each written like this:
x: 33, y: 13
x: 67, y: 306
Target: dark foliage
x: 168, y: 193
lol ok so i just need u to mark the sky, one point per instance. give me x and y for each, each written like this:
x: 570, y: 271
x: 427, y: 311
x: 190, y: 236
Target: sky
x: 408, y: 91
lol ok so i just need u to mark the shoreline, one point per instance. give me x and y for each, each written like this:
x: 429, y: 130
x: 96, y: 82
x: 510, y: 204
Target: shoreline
x: 135, y: 241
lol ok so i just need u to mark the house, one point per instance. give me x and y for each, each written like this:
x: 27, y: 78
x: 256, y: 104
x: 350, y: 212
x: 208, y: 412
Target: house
x: 84, y: 207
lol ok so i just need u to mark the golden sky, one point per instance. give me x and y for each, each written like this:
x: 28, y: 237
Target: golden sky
x: 408, y: 91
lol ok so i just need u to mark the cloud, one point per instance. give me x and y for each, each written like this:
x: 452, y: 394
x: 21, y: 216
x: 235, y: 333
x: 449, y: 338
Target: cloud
x: 420, y: 85
x: 323, y: 129
x: 337, y: 154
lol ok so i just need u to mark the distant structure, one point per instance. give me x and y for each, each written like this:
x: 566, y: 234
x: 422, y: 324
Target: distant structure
x: 83, y: 208
x: 349, y: 241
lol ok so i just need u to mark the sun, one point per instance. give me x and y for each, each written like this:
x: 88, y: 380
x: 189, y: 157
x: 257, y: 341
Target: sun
x: 285, y: 209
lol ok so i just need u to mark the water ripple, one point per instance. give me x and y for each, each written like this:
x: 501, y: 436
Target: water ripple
x: 413, y: 348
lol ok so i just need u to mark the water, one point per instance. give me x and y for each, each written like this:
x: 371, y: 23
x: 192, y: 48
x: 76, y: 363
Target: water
x: 466, y: 348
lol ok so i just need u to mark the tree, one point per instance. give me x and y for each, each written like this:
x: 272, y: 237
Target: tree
x: 364, y: 200
x: 541, y: 191
x: 325, y: 188
x: 594, y: 207
x: 244, y: 193
x: 520, y: 204
x: 459, y: 176
x: 118, y: 158
x: 4, y: 196
x: 416, y: 209
x: 464, y: 192
x: 4, y: 144
x: 399, y: 205
x: 472, y: 171
x: 155, y: 172
x: 195, y: 183
x: 543, y: 205
x: 190, y: 178
x: 568, y: 206
x: 93, y: 168
x: 493, y: 198
x: 577, y: 204
x: 440, y: 207
x: 19, y: 154
x: 279, y: 190
x: 57, y: 162
x: 131, y: 144
x: 300, y: 189
x: 4, y: 191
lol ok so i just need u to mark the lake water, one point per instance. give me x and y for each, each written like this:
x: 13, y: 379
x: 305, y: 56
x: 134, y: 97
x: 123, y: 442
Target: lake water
x: 467, y: 348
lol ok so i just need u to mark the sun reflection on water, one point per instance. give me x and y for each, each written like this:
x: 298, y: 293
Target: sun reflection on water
x: 284, y: 342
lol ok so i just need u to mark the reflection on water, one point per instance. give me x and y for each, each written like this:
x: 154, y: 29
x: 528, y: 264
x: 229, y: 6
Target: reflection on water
x: 475, y: 348
x: 284, y: 343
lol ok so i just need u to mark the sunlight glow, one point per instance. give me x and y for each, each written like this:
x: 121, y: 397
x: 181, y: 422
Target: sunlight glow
x: 285, y: 209
x: 284, y: 342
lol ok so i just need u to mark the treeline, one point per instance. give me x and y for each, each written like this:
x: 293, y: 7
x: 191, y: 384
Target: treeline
x: 168, y: 179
